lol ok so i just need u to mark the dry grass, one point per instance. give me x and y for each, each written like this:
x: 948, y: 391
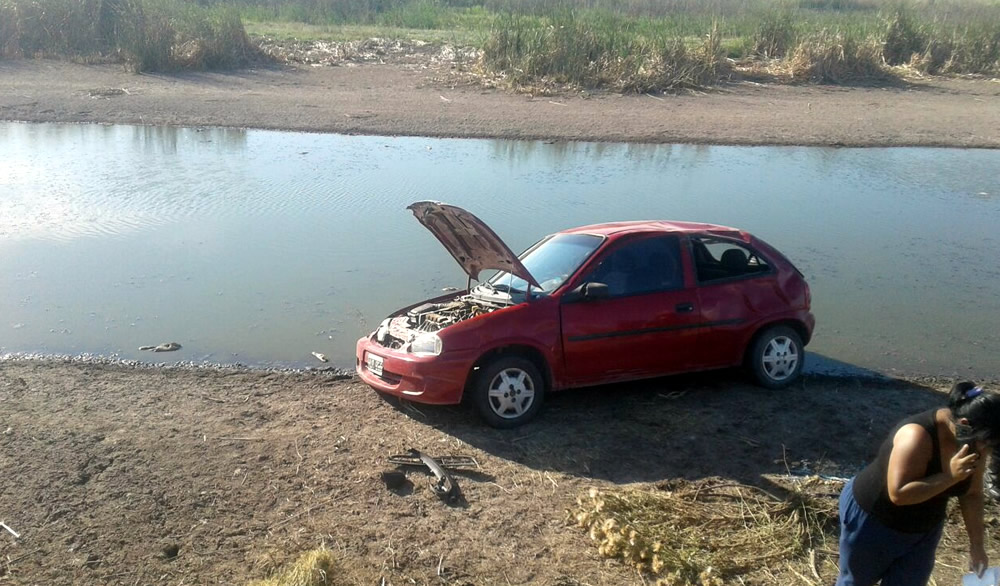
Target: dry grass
x: 318, y: 567
x: 704, y: 532
x: 837, y: 58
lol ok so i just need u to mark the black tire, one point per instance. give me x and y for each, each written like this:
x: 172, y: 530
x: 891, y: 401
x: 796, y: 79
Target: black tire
x: 508, y: 391
x: 776, y: 357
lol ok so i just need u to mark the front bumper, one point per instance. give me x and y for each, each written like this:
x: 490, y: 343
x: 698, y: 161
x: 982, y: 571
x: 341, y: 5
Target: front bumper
x: 436, y: 380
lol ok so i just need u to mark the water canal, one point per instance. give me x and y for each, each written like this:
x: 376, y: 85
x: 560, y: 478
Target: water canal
x: 260, y: 247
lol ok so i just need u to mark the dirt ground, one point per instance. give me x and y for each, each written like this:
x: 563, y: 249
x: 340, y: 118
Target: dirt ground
x: 428, y: 99
x: 115, y: 474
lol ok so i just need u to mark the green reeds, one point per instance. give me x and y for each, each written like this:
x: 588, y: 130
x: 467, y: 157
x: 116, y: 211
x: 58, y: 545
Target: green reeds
x: 144, y: 34
x: 774, y: 36
x: 634, y: 45
x: 599, y: 49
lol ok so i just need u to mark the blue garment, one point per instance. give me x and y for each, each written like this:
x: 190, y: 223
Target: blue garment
x: 870, y: 551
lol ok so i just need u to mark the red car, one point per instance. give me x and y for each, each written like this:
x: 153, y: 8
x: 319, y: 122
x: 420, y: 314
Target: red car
x: 586, y: 306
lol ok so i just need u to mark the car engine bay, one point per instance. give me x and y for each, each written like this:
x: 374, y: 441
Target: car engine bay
x: 397, y: 332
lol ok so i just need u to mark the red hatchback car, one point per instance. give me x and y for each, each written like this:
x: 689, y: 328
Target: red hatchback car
x: 587, y: 306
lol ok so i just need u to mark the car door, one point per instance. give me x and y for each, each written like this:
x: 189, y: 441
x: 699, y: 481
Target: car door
x: 736, y: 288
x: 647, y: 323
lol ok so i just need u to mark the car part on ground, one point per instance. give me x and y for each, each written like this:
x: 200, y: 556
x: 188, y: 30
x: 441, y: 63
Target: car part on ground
x: 449, y: 462
x: 444, y: 486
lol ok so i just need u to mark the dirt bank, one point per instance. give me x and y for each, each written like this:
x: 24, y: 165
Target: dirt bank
x: 120, y: 475
x: 428, y: 99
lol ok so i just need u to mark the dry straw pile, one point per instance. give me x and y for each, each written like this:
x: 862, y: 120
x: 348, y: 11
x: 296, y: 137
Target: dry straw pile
x: 313, y: 568
x: 703, y: 533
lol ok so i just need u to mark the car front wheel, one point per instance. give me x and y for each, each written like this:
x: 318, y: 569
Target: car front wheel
x: 508, y: 391
x: 777, y: 357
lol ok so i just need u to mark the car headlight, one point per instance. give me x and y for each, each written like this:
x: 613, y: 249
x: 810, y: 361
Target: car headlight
x: 426, y: 345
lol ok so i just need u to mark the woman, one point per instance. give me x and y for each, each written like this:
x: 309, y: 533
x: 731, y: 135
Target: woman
x: 892, y: 513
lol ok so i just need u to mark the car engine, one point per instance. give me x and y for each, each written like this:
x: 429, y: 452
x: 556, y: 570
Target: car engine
x: 396, y: 332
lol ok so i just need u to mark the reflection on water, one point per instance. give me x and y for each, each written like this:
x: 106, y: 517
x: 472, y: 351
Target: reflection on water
x: 261, y: 247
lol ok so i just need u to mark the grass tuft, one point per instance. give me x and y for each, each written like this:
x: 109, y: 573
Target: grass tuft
x: 774, y: 36
x: 838, y: 58
x: 903, y: 38
x: 314, y: 568
x: 145, y: 35
x: 706, y: 532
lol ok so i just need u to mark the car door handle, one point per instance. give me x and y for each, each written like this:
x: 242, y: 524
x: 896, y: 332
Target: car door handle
x: 684, y: 307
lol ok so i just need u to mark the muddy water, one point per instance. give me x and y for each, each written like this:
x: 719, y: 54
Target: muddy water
x: 259, y: 247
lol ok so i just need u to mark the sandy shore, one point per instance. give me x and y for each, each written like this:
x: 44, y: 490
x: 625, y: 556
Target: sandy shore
x: 427, y: 100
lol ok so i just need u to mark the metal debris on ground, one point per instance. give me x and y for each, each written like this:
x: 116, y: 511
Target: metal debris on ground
x: 9, y: 530
x: 452, y: 462
x: 444, y: 486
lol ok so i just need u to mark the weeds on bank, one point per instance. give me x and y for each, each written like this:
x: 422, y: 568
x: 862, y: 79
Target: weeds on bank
x: 703, y: 533
x: 600, y: 50
x: 628, y: 45
x: 144, y: 34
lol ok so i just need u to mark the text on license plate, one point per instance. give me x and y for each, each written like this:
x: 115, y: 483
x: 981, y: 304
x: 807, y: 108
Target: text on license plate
x: 374, y: 364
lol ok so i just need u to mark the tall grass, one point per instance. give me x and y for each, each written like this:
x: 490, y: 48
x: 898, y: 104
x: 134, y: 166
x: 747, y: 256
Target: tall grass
x: 144, y: 34
x: 632, y: 44
x: 774, y: 36
x: 837, y: 58
x: 599, y: 49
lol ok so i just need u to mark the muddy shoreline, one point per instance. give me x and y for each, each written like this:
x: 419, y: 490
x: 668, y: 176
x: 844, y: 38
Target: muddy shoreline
x: 442, y: 100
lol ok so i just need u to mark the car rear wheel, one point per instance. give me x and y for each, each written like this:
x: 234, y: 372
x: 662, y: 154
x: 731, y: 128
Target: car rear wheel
x: 776, y: 357
x: 508, y: 391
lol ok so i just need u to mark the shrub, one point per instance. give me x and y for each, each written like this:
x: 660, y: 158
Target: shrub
x: 903, y: 38
x: 837, y: 58
x: 145, y: 35
x: 774, y: 36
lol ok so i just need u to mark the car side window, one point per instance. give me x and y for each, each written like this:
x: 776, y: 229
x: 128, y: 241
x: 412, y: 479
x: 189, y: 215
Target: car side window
x: 641, y: 266
x: 716, y: 258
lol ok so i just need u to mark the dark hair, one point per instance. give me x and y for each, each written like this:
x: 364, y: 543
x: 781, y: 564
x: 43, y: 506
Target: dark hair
x: 981, y: 408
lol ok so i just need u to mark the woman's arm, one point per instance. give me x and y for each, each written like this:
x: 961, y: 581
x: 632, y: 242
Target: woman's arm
x: 971, y: 504
x: 911, y: 452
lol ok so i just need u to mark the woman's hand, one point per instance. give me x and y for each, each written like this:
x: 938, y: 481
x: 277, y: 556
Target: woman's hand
x: 978, y: 561
x: 963, y: 463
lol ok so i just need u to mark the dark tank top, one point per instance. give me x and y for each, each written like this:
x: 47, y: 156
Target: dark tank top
x: 871, y: 489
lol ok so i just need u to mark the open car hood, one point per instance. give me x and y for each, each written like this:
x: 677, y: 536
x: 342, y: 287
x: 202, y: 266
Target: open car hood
x: 473, y: 244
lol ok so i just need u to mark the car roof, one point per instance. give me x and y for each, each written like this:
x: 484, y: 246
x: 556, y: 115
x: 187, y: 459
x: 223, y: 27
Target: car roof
x: 618, y: 228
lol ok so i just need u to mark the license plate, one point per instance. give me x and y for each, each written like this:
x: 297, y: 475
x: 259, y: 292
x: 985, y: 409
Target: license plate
x: 374, y: 364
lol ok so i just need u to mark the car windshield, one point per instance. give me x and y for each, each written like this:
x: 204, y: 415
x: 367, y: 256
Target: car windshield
x: 550, y: 262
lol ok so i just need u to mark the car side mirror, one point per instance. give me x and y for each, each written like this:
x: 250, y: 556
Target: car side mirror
x: 587, y: 292
x: 595, y: 291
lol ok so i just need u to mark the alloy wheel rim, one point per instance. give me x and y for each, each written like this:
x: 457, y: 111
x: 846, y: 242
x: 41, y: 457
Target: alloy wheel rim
x: 780, y: 358
x: 511, y: 393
